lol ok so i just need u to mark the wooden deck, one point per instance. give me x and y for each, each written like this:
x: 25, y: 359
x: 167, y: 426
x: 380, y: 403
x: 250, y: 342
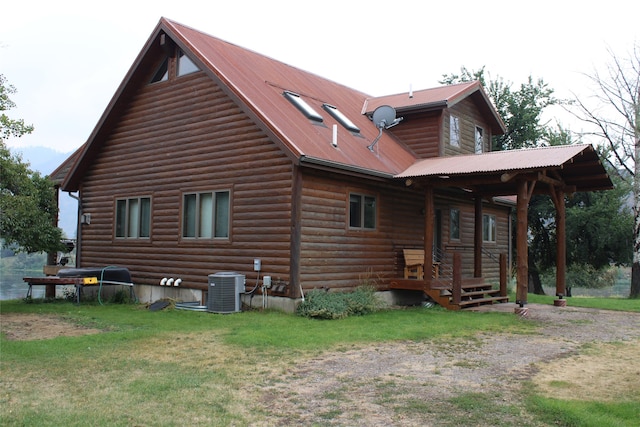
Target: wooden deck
x: 473, y: 292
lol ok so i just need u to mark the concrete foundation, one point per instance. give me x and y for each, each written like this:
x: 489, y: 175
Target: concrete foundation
x: 147, y: 294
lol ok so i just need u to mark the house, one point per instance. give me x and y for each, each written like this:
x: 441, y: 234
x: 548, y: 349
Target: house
x: 210, y: 156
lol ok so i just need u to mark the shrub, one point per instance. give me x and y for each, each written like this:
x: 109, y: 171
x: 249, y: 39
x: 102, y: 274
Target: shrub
x: 586, y: 276
x: 321, y: 304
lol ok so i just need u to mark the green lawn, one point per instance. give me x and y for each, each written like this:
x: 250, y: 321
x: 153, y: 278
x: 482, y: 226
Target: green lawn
x: 190, y: 368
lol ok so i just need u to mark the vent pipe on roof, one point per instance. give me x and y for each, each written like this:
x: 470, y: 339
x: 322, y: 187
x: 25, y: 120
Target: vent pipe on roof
x: 334, y: 140
x: 410, y: 91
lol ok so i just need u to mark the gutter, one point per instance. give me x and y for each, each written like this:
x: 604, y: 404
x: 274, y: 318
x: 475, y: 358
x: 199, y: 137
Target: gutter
x: 78, y: 240
x: 344, y: 167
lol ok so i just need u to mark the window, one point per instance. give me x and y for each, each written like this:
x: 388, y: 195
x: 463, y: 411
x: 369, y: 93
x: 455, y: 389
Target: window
x: 454, y: 224
x: 206, y: 215
x: 479, y: 140
x: 133, y: 218
x: 341, y: 118
x: 162, y: 74
x: 489, y: 228
x: 454, y: 131
x: 362, y: 211
x: 302, y: 105
x: 185, y: 65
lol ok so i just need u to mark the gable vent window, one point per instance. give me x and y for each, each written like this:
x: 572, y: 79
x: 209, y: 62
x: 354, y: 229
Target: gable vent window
x: 186, y: 65
x: 302, y: 105
x: 341, y: 118
x: 162, y: 75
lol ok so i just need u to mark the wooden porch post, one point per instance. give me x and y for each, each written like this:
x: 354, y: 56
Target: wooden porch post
x: 503, y: 275
x: 456, y: 290
x: 522, y: 247
x: 561, y: 242
x: 428, y: 234
x: 477, y: 238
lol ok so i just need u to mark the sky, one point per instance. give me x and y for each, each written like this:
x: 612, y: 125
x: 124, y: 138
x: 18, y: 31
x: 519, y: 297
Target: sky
x: 67, y: 58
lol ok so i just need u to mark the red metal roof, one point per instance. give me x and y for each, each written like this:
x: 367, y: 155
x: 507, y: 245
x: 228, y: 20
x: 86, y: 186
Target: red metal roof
x: 438, y: 97
x: 579, y: 165
x: 259, y: 82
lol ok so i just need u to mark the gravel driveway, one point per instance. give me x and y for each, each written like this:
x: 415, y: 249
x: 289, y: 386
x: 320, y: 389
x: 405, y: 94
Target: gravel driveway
x: 421, y: 383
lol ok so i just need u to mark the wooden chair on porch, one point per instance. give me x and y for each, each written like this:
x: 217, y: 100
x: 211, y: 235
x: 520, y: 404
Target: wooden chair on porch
x: 414, y: 264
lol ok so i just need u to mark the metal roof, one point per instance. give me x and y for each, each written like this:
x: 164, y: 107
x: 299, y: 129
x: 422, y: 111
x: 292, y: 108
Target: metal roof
x: 436, y: 98
x: 576, y: 165
x: 257, y: 84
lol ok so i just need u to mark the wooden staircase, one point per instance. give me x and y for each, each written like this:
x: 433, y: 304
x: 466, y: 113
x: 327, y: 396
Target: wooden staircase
x: 447, y: 287
x: 474, y: 292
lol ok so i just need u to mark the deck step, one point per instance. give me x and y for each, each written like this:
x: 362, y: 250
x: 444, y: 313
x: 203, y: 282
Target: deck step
x: 489, y: 292
x: 482, y: 301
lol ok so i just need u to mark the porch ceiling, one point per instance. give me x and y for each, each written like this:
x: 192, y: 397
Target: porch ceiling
x: 571, y: 167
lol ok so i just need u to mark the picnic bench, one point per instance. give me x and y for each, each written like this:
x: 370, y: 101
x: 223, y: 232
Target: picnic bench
x: 81, y: 277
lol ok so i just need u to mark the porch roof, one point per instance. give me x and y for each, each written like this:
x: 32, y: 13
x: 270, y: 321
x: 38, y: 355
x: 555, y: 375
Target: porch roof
x: 574, y: 167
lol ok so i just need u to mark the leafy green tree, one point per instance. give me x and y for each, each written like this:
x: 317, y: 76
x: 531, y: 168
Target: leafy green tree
x: 595, y: 239
x: 9, y: 127
x: 28, y: 208
x: 520, y: 109
x: 613, y: 115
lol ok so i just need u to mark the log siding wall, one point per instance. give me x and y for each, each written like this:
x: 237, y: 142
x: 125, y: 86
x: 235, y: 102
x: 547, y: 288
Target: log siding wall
x: 186, y: 135
x: 182, y: 136
x: 469, y: 117
x: 421, y: 132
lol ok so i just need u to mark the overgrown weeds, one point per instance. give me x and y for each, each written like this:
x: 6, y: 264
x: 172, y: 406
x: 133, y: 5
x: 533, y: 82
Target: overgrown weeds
x: 321, y: 304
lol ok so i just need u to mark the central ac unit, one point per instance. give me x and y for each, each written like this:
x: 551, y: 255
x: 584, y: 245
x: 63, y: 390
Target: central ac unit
x: 224, y: 292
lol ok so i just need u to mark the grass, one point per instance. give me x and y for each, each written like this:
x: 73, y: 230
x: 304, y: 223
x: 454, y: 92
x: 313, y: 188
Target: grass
x: 189, y: 368
x: 620, y: 304
x: 585, y: 414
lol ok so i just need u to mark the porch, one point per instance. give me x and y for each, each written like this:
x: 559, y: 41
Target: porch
x: 554, y: 171
x: 446, y: 286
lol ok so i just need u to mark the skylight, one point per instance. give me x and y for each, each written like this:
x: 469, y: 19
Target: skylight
x: 302, y: 105
x: 340, y: 117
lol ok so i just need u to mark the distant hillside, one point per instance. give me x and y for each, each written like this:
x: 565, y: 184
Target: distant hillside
x: 45, y: 160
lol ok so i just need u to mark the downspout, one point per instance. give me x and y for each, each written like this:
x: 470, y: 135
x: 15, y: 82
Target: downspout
x: 77, y: 199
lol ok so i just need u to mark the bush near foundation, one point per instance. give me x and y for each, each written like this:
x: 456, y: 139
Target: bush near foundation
x: 320, y: 304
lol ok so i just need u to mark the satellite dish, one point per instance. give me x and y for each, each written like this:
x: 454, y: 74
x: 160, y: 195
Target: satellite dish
x: 384, y: 116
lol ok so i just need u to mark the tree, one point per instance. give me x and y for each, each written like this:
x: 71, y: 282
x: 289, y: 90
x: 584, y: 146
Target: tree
x: 9, y: 127
x: 28, y: 206
x: 613, y: 114
x: 520, y: 110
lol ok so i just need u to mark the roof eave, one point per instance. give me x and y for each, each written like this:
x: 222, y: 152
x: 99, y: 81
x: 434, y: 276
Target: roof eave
x: 351, y: 169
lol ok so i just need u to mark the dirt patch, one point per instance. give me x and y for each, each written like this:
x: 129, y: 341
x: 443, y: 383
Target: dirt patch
x: 27, y: 326
x: 605, y: 372
x: 429, y: 383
